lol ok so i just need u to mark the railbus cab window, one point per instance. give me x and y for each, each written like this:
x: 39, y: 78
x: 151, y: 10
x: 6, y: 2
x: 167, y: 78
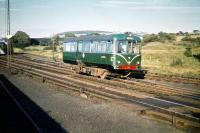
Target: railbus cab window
x: 136, y: 49
x: 128, y: 47
x: 122, y: 47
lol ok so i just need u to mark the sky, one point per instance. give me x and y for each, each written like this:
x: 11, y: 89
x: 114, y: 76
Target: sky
x: 44, y: 18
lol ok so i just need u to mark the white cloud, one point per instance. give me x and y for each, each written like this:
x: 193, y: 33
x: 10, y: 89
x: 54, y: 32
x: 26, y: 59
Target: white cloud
x: 15, y: 9
x: 12, y: 9
x: 138, y: 5
x: 41, y: 6
x: 105, y: 5
x: 120, y: 2
x: 162, y: 7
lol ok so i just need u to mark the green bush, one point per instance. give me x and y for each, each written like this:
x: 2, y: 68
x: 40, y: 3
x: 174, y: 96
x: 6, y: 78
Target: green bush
x: 61, y: 48
x: 33, y: 49
x: 176, y: 62
x: 197, y: 56
x: 48, y: 48
x: 161, y: 37
x: 188, y: 52
x: 192, y: 40
x: 166, y: 36
x: 151, y: 38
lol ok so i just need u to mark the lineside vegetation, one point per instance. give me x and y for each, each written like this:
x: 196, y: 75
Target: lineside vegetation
x: 173, y: 57
x: 162, y: 53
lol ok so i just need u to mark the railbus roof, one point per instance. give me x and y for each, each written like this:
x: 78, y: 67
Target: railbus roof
x: 137, y: 38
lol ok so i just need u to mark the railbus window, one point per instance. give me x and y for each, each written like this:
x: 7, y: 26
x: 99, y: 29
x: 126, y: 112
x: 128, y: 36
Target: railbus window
x: 93, y: 46
x: 86, y: 46
x: 73, y: 47
x: 80, y: 46
x: 70, y: 46
x: 103, y: 46
x: 66, y: 47
x: 109, y: 47
x: 98, y: 50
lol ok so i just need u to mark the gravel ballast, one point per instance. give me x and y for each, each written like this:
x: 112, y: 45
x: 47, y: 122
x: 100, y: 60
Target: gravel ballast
x: 79, y: 115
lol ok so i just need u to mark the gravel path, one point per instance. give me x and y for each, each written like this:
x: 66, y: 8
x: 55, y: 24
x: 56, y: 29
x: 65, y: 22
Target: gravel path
x: 80, y: 115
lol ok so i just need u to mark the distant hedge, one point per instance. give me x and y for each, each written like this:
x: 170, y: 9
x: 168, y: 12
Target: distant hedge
x: 160, y: 37
x: 192, y: 40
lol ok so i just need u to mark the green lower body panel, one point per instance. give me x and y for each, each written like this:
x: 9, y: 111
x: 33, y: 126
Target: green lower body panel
x: 116, y: 62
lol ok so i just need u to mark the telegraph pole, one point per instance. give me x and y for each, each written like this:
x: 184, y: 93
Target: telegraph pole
x: 53, y: 49
x: 53, y: 43
x: 8, y: 33
x: 8, y: 17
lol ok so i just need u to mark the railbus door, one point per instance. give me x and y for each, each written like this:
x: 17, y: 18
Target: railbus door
x: 115, y: 49
x: 79, y: 53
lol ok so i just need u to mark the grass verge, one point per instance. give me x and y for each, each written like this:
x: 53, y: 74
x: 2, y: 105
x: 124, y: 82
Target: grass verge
x: 169, y: 59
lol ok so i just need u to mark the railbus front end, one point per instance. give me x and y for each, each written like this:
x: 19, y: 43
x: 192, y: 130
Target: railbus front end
x: 127, y: 56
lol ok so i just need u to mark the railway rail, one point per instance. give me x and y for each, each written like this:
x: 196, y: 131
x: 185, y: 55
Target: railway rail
x: 135, y: 83
x: 65, y: 69
x: 185, y: 80
x: 167, y: 101
x: 151, y: 76
x: 149, y: 87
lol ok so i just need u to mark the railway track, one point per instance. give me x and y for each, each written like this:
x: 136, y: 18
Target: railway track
x: 128, y: 91
x: 139, y: 83
x: 148, y: 87
x: 176, y: 79
x: 150, y: 76
x: 153, y: 87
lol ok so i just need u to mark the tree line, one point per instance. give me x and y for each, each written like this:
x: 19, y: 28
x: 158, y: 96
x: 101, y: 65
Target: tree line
x: 22, y: 39
x: 160, y: 37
